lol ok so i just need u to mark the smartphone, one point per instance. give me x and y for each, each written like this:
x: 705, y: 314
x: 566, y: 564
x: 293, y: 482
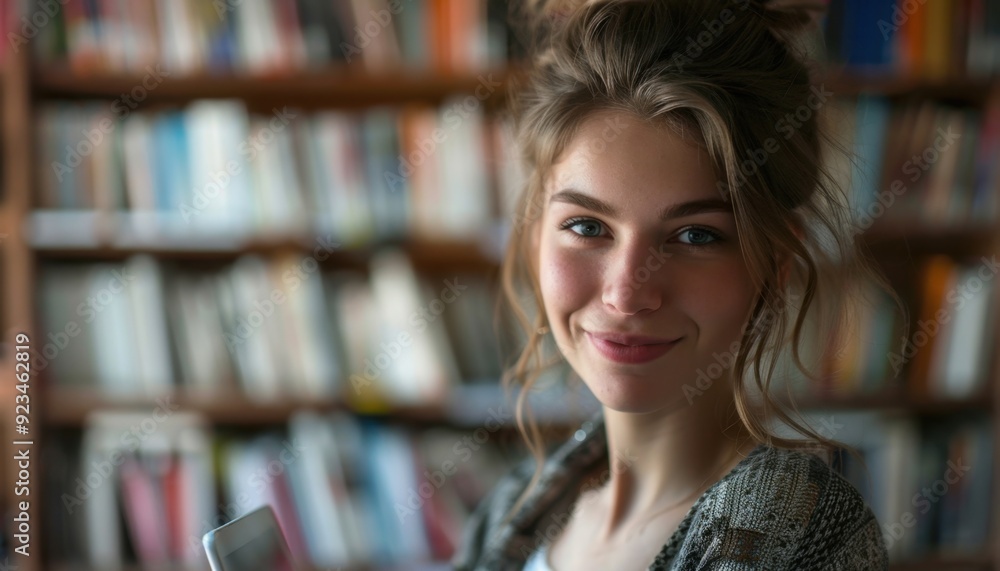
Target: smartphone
x: 252, y: 542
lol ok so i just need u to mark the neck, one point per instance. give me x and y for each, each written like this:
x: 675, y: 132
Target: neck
x: 668, y: 458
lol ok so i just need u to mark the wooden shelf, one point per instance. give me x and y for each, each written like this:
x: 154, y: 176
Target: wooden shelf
x: 333, y: 87
x: 347, y: 86
x: 901, y: 238
x: 898, y: 403
x: 422, y: 251
x: 71, y: 409
x: 961, y: 89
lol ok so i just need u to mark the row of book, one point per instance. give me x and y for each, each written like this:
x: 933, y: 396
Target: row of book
x: 947, y: 352
x: 284, y: 326
x: 267, y: 37
x: 915, y: 38
x: 920, y: 163
x: 928, y: 483
x: 141, y: 487
x: 347, y: 491
x: 952, y: 340
x: 215, y: 170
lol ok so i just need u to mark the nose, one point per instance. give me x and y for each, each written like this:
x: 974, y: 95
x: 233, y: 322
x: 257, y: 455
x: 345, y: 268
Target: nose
x: 633, y: 281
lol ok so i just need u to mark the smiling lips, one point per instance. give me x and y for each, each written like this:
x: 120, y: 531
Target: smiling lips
x: 623, y: 348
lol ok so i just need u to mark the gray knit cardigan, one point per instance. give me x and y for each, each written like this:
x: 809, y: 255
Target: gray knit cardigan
x: 776, y: 510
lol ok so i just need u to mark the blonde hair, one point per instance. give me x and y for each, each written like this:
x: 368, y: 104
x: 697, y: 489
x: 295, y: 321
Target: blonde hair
x: 729, y: 72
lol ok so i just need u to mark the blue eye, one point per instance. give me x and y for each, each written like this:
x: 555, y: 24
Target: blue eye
x: 584, y: 227
x: 699, y: 236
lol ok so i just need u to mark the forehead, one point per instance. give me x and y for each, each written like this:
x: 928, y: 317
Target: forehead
x: 615, y: 151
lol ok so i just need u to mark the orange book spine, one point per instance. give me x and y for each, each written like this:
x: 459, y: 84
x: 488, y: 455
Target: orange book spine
x: 919, y: 349
x: 440, y: 30
x: 912, y: 34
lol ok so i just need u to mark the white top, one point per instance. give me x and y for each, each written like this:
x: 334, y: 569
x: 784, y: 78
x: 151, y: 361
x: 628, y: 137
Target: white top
x: 539, y: 560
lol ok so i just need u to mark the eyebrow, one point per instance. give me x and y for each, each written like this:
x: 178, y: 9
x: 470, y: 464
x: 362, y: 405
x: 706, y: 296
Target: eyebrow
x: 681, y: 210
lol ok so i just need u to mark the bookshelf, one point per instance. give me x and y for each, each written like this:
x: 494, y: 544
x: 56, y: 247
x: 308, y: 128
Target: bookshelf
x: 342, y: 87
x: 27, y: 85
x: 65, y: 413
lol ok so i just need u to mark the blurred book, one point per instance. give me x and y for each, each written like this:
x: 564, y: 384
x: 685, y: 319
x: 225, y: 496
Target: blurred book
x: 946, y: 353
x: 145, y: 482
x: 925, y: 163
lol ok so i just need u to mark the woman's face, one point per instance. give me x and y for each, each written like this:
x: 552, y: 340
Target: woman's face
x: 641, y: 273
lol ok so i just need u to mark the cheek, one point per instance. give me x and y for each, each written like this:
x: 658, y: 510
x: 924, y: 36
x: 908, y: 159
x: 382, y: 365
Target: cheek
x: 722, y: 300
x: 566, y: 280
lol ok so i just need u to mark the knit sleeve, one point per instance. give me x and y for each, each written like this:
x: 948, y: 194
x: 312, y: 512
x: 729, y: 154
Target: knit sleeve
x: 862, y: 549
x: 843, y: 533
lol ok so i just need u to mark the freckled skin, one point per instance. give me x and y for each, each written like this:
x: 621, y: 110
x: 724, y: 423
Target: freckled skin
x: 636, y: 273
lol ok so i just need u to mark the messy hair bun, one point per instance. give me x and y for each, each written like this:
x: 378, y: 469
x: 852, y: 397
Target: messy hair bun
x: 788, y: 19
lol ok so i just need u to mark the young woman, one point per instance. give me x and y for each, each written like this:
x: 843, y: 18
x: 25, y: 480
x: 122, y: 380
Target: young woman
x: 677, y: 236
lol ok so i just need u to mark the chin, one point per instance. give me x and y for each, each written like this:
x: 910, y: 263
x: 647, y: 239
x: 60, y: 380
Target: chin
x: 635, y: 394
